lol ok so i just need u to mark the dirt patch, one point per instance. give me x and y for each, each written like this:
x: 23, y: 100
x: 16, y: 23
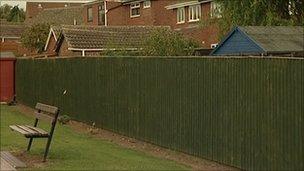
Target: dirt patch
x: 194, y: 162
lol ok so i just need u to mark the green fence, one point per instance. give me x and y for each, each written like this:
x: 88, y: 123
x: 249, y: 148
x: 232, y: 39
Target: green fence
x: 247, y: 113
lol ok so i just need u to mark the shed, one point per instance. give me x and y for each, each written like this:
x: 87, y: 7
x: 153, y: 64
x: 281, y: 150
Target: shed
x: 7, y: 76
x: 262, y: 41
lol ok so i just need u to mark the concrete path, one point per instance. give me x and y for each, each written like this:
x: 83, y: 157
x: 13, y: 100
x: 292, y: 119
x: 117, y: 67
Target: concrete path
x: 5, y: 166
x: 10, y: 162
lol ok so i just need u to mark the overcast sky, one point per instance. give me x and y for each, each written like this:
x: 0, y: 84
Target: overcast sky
x: 21, y: 3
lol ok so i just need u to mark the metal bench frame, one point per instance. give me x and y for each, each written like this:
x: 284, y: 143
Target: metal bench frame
x: 43, y: 112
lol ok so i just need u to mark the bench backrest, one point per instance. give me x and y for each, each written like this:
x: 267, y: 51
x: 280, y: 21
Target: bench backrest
x: 46, y: 112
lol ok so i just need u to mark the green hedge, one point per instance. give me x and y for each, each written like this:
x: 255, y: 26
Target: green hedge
x: 247, y: 113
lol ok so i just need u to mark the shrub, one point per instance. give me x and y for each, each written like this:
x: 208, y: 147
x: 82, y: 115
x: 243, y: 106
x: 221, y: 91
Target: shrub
x: 35, y: 36
x: 164, y: 42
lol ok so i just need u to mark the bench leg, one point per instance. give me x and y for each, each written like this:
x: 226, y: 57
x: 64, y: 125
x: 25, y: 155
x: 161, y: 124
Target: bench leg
x: 31, y: 139
x: 48, y: 144
x: 30, y: 144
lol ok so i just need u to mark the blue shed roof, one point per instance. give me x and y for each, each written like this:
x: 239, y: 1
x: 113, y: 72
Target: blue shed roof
x: 257, y: 40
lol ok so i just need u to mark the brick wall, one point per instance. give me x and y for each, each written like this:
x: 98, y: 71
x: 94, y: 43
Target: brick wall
x: 116, y: 14
x: 16, y: 47
x: 119, y: 14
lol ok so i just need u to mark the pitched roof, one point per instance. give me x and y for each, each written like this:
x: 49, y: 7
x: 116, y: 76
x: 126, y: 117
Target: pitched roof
x: 105, y: 37
x: 54, y: 31
x: 264, y: 39
x: 277, y: 38
x: 11, y: 31
x: 57, y: 16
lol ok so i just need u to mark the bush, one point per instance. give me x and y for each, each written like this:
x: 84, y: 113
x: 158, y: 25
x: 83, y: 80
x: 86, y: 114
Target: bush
x: 35, y: 36
x: 164, y: 42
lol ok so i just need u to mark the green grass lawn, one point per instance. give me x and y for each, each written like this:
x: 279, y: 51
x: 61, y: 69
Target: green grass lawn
x: 71, y: 150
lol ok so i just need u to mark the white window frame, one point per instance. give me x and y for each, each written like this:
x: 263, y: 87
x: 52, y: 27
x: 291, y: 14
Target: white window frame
x: 147, y: 4
x: 134, y: 6
x: 90, y: 14
x: 195, y: 13
x: 181, y: 15
x: 215, y: 10
x: 214, y: 45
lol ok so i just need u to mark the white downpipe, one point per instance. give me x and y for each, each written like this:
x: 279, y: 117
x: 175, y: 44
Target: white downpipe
x: 106, y: 11
x: 83, y: 53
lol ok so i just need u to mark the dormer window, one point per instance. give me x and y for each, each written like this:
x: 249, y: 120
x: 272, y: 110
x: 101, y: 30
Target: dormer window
x: 195, y: 13
x: 135, y: 10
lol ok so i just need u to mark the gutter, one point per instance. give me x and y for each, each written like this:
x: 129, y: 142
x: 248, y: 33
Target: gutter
x: 102, y: 49
x: 184, y: 4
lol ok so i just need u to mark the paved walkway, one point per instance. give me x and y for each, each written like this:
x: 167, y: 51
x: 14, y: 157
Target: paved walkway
x: 5, y: 166
x: 10, y: 162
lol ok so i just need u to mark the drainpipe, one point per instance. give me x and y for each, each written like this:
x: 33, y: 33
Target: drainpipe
x: 106, y: 11
x: 83, y: 53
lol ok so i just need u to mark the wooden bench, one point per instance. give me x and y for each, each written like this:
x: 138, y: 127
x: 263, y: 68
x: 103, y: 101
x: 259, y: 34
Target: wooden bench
x: 43, y: 111
x: 10, y: 162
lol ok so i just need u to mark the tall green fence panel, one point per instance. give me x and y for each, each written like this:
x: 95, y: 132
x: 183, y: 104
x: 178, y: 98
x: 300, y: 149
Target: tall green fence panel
x: 247, y: 113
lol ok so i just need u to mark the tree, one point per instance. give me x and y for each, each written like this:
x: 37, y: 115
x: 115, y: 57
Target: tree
x: 164, y: 42
x: 260, y: 13
x: 5, y: 10
x: 16, y: 15
x: 35, y: 36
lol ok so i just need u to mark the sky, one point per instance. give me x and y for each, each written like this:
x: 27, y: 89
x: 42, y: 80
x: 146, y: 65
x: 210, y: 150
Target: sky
x: 22, y: 3
x: 13, y: 3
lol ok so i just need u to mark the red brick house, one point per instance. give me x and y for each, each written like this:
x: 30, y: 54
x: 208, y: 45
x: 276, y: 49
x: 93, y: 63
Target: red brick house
x: 185, y: 16
x: 34, y: 7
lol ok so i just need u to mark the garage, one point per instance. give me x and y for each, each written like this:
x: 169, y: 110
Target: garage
x: 7, y: 76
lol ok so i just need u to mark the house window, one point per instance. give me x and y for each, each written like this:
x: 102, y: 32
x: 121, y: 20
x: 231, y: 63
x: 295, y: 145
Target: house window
x: 181, y: 15
x: 147, y: 4
x: 195, y: 13
x: 216, y: 10
x: 101, y: 15
x: 135, y: 10
x: 90, y: 14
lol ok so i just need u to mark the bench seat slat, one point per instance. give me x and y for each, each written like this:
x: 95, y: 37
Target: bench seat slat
x: 41, y: 131
x: 15, y: 128
x: 29, y: 132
